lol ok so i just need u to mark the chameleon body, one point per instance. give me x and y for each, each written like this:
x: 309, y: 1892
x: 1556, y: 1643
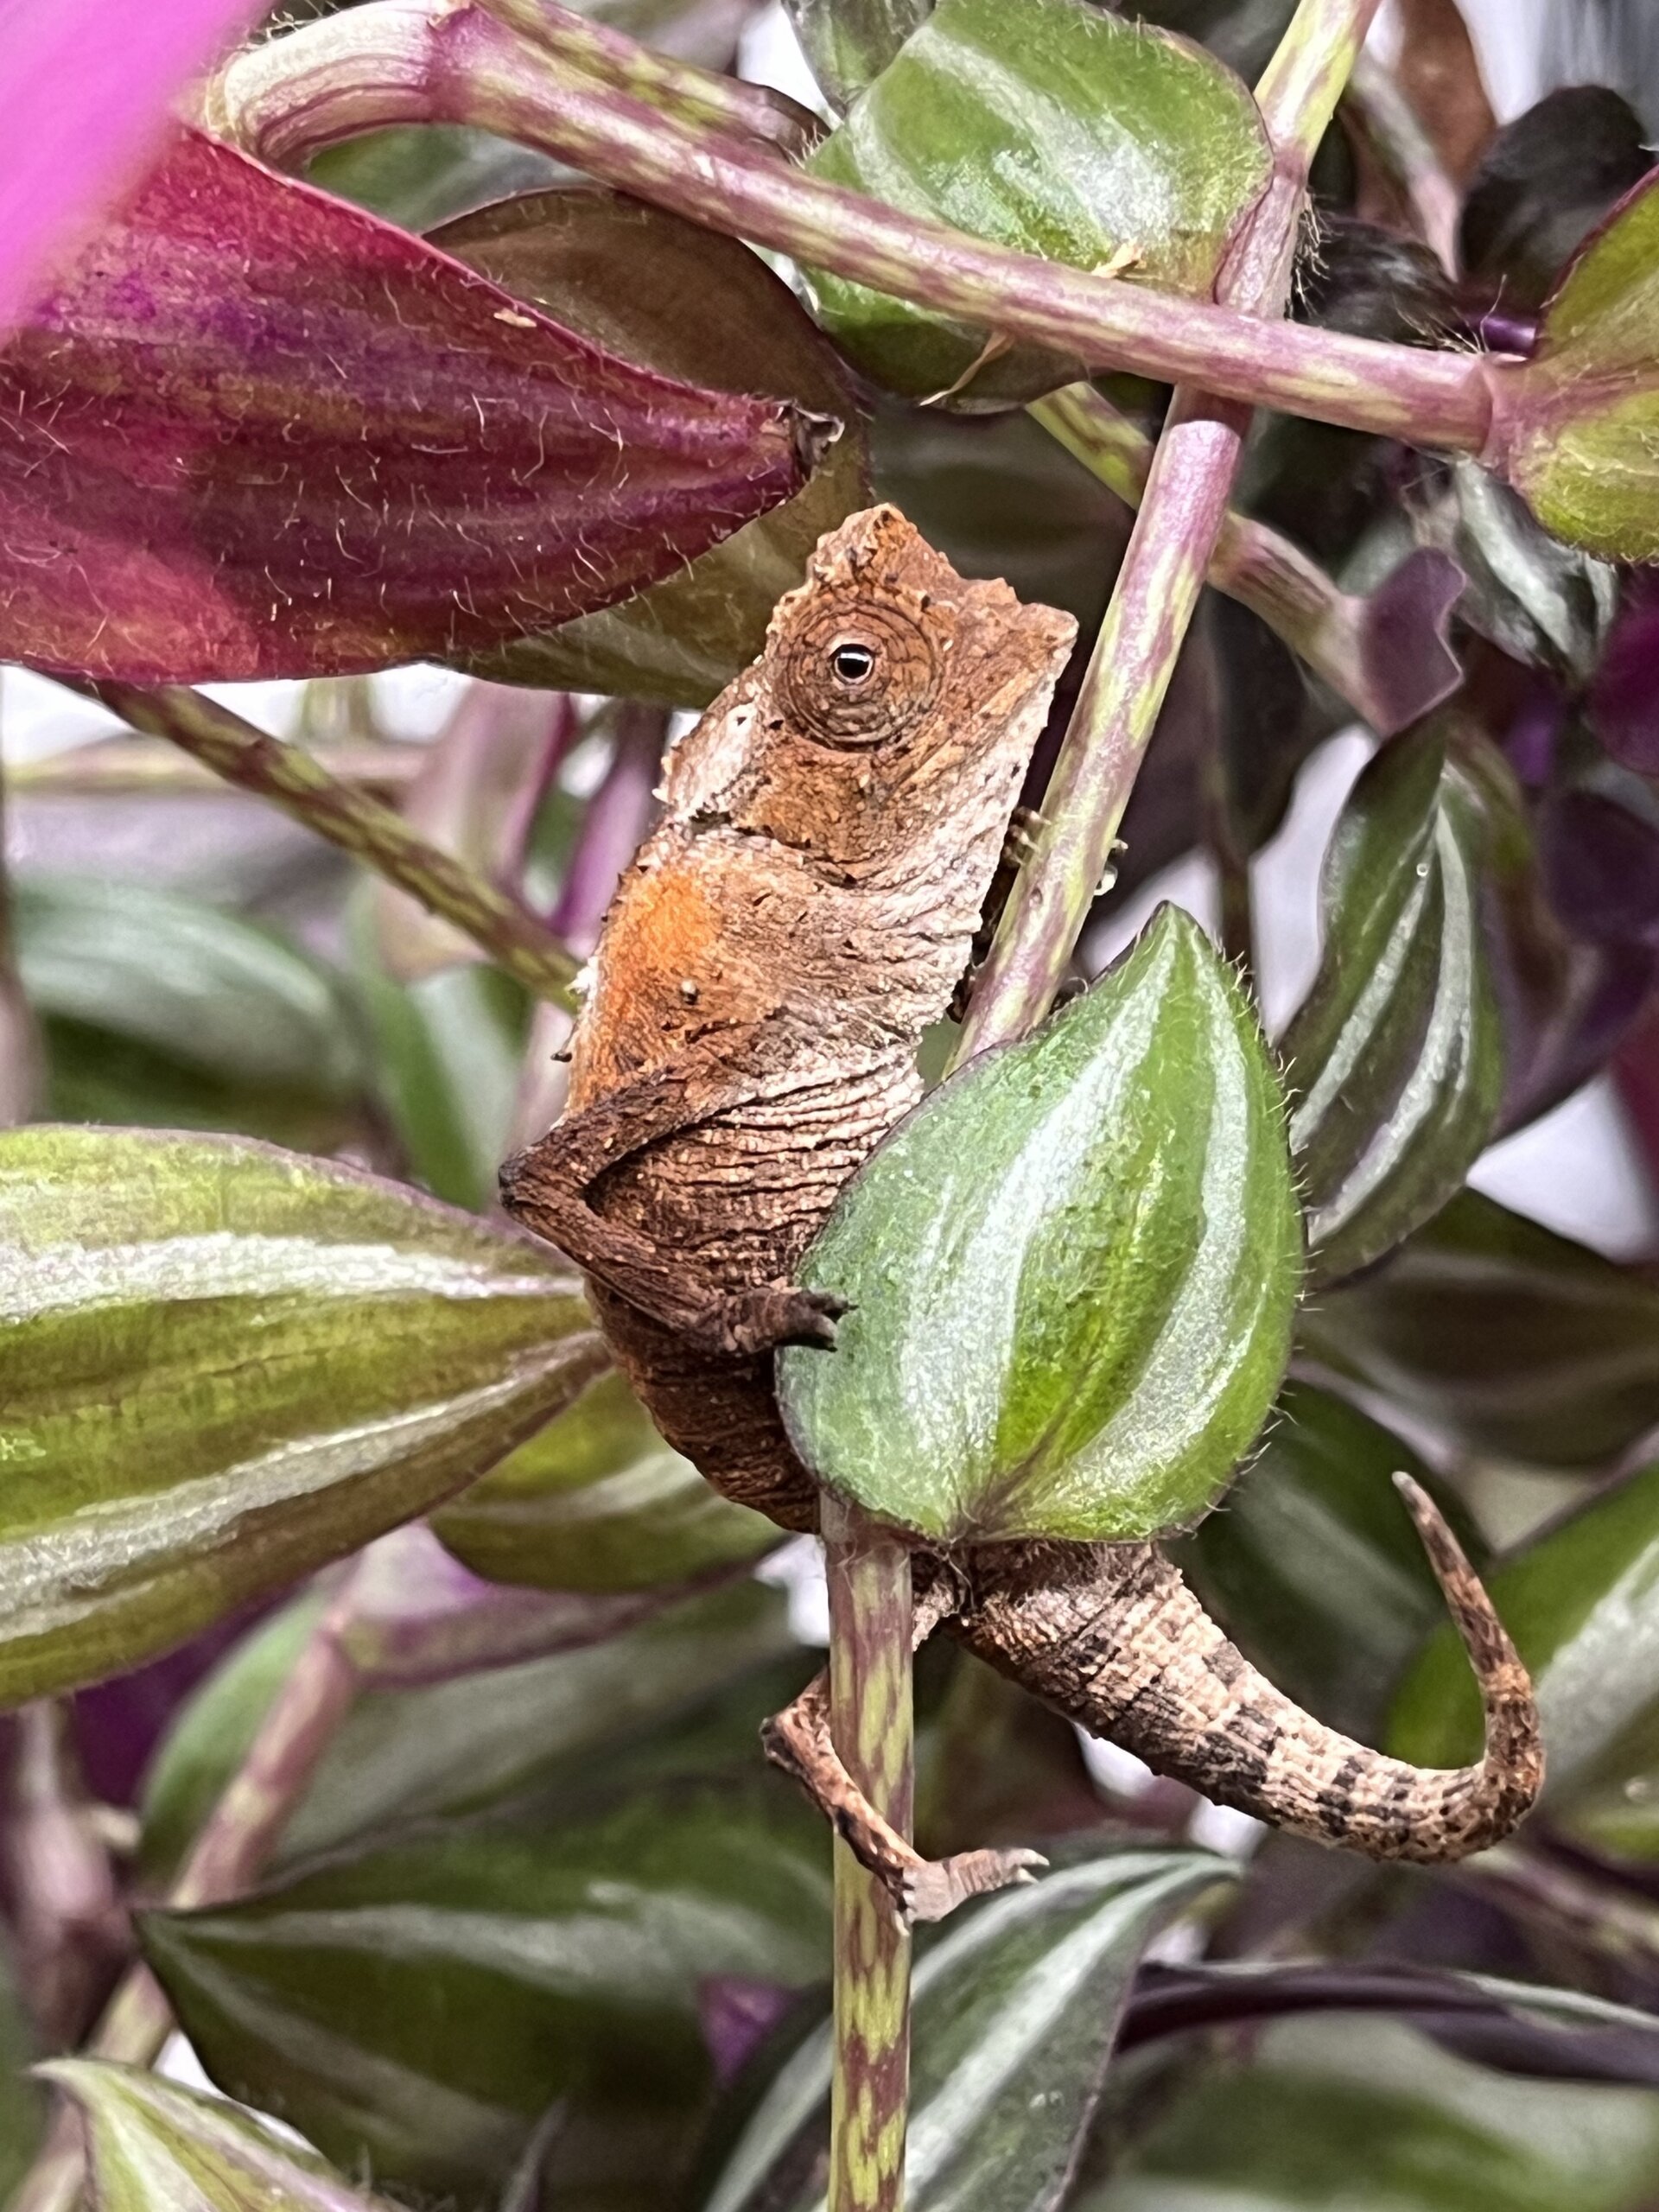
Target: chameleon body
x: 806, y: 909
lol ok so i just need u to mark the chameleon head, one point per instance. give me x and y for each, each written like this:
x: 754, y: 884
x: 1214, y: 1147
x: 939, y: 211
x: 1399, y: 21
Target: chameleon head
x: 894, y: 699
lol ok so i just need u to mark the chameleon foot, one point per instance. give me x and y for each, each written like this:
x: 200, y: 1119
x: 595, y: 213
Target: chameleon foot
x: 934, y: 1887
x: 754, y: 1321
x: 798, y: 1740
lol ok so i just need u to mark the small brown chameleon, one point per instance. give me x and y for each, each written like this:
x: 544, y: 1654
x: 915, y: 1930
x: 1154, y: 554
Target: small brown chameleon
x: 804, y: 911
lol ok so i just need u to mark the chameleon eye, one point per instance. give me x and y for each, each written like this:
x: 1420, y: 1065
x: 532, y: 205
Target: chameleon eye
x: 862, y: 674
x: 853, y: 663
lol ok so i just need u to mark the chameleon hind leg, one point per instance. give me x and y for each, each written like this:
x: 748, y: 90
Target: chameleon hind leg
x: 798, y: 1740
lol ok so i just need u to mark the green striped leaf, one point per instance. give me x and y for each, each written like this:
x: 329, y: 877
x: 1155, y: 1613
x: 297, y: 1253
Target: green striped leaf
x: 418, y: 2005
x: 1052, y: 127
x: 1015, y: 2010
x: 223, y: 1365
x: 597, y: 1502
x: 1072, y: 1272
x: 1396, y: 1056
x: 1366, y: 2114
x: 153, y: 2147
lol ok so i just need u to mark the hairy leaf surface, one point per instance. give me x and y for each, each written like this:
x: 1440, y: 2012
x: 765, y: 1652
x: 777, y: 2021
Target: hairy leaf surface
x: 1072, y: 1270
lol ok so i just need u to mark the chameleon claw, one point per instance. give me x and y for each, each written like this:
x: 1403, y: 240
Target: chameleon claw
x: 935, y: 1887
x: 758, y: 1321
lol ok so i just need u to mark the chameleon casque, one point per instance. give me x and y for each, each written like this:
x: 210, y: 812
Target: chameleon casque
x: 806, y: 909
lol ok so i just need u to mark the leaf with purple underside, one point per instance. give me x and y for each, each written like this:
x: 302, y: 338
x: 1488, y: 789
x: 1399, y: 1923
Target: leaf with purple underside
x: 257, y: 432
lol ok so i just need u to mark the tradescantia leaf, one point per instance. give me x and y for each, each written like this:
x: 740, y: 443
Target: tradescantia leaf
x: 1072, y: 1270
x: 22, y: 2113
x: 417, y: 2005
x: 849, y: 43
x: 1312, y: 1568
x: 224, y: 1364
x: 1577, y: 429
x: 1352, y: 2113
x: 1509, y: 1340
x: 1396, y: 1056
x: 596, y: 1501
x: 1579, y: 1600
x: 1050, y: 126
x: 186, y: 980
x: 506, y: 1736
x: 703, y: 308
x: 255, y: 431
x: 1544, y: 182
x: 1015, y: 2009
x: 154, y: 2147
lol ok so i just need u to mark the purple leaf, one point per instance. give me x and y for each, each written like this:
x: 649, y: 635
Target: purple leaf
x: 256, y: 431
x: 83, y: 97
x: 1602, y: 865
x: 1625, y: 695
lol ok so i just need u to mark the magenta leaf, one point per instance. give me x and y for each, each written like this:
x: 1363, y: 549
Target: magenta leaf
x: 84, y: 97
x: 256, y: 431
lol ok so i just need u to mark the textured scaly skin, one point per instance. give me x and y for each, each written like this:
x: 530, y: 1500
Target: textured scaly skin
x: 802, y: 914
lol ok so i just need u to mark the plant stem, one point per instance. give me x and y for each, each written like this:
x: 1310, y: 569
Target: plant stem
x: 507, y: 932
x: 232, y: 1848
x: 145, y: 767
x: 423, y: 60
x: 1328, y: 628
x: 676, y: 88
x: 868, y: 1572
x: 1170, y: 552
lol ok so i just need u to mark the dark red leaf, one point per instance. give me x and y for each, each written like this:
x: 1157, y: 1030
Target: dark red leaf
x: 257, y: 432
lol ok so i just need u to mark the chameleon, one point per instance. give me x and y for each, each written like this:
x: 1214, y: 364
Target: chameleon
x: 805, y: 910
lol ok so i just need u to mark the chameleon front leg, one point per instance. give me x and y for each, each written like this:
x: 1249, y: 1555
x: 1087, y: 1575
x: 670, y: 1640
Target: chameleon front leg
x: 547, y: 1188
x: 798, y: 1740
x: 1111, y: 1637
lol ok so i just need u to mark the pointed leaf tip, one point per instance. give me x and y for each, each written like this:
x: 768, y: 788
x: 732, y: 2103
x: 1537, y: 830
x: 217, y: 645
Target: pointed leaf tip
x: 256, y: 431
x: 1072, y: 1272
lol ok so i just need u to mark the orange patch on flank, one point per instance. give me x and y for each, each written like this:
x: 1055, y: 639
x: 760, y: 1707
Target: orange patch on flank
x: 662, y: 931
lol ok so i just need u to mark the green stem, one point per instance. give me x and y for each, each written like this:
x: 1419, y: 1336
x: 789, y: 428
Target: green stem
x: 1252, y: 562
x: 675, y: 88
x: 143, y: 768
x: 421, y: 61
x: 233, y: 1846
x: 1170, y: 553
x: 360, y: 825
x: 869, y: 1575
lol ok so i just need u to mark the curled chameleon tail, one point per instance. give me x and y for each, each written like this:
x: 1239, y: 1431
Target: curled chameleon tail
x: 1111, y: 1637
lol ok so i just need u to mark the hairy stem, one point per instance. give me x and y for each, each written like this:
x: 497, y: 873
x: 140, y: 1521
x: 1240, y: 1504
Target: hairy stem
x: 430, y: 61
x: 506, y: 931
x: 1330, y: 629
x: 233, y: 1845
x: 1170, y: 551
x: 675, y: 88
x: 870, y: 1629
